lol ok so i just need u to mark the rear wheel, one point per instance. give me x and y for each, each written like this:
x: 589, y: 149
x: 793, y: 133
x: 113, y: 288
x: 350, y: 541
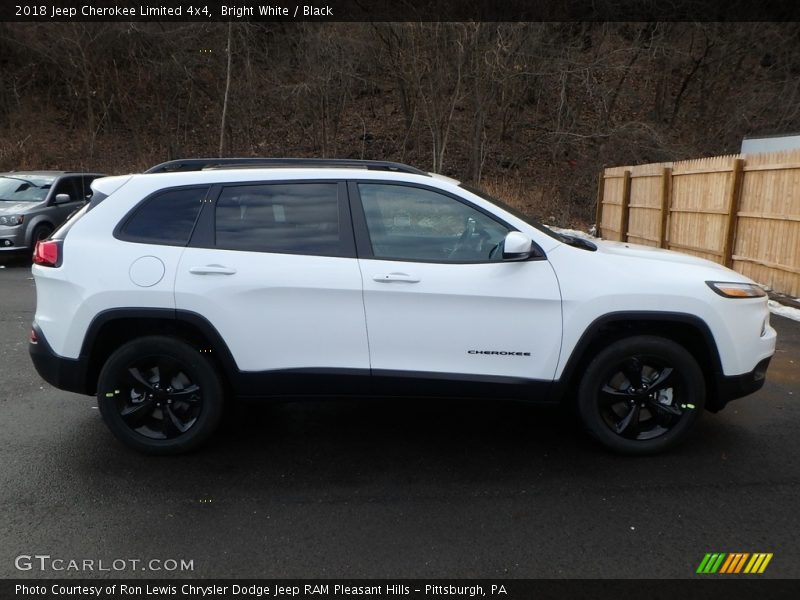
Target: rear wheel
x: 641, y: 395
x: 159, y: 395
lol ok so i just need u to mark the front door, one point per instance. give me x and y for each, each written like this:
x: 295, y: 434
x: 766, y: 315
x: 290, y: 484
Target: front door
x: 440, y: 301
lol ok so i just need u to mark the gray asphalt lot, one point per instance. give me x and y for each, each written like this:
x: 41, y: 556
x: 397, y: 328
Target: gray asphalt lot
x: 391, y: 489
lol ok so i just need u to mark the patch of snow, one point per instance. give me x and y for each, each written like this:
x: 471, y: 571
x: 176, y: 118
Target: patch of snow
x: 573, y: 232
x: 776, y: 308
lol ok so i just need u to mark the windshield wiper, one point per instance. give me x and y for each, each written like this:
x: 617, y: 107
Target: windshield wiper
x: 578, y: 242
x: 28, y: 181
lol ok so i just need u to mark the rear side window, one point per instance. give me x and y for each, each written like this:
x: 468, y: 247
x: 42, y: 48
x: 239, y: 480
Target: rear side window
x: 298, y: 218
x: 166, y: 218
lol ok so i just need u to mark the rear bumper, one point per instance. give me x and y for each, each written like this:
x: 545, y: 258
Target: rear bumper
x: 737, y: 386
x: 64, y: 373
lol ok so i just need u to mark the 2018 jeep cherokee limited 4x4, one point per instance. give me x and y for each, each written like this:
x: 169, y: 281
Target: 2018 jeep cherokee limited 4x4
x: 208, y: 279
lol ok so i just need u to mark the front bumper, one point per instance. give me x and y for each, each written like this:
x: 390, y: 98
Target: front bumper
x: 64, y: 373
x: 737, y: 386
x: 12, y: 238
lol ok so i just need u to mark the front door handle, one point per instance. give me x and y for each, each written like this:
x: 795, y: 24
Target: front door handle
x: 212, y: 270
x: 390, y: 277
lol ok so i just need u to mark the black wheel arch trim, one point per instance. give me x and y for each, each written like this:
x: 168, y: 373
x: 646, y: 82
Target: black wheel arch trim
x: 203, y: 325
x: 592, y: 332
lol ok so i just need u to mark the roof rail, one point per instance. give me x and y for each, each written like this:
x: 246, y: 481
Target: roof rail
x: 199, y: 164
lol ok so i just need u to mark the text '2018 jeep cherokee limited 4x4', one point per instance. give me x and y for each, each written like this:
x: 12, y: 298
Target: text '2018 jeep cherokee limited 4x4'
x: 205, y: 279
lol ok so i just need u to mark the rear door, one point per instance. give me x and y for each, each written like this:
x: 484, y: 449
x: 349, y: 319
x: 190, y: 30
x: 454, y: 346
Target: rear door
x: 272, y: 266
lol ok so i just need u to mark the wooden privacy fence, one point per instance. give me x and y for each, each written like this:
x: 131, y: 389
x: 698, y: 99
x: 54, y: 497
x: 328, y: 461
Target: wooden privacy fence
x: 742, y: 211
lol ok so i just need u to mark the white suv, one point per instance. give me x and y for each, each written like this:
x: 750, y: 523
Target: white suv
x: 203, y: 280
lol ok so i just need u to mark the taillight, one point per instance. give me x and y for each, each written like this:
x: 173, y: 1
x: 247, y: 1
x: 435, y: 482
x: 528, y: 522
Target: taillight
x: 47, y: 253
x: 34, y: 337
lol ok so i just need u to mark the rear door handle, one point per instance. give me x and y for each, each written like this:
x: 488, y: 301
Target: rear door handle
x: 212, y: 270
x: 390, y: 277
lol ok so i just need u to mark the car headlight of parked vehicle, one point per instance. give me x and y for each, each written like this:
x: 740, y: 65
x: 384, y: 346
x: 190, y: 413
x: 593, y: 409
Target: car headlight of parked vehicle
x: 11, y: 220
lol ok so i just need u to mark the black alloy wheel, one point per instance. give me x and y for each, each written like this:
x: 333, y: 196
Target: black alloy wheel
x: 158, y: 400
x: 641, y: 394
x: 159, y: 395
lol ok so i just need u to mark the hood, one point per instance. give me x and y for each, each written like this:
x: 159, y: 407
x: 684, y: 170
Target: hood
x: 627, y: 249
x: 16, y: 208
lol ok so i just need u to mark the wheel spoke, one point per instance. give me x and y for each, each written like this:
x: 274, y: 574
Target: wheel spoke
x: 137, y: 377
x: 170, y: 424
x: 167, y: 371
x: 662, y: 381
x: 632, y: 368
x: 136, y: 414
x: 664, y: 408
x: 609, y: 397
x: 629, y: 424
x: 187, y: 394
x: 607, y: 389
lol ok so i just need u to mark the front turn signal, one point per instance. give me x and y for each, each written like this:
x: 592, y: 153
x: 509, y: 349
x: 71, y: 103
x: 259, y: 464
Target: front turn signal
x: 736, y: 290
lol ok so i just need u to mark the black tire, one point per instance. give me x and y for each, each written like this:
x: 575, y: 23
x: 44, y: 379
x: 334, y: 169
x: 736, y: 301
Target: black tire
x: 641, y: 395
x: 157, y: 412
x: 40, y: 232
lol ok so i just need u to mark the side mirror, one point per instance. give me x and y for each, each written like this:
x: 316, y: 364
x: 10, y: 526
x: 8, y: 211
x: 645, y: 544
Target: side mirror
x: 517, y: 246
x: 62, y: 198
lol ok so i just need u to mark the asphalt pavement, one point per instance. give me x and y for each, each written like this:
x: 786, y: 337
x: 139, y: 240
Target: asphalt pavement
x: 389, y: 488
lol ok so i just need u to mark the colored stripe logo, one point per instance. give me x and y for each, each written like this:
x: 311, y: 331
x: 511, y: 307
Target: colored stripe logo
x: 734, y: 563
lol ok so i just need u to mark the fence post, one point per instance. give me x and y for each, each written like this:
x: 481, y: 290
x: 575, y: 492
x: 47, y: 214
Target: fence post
x: 734, y: 196
x: 601, y: 190
x: 625, y: 209
x: 666, y: 202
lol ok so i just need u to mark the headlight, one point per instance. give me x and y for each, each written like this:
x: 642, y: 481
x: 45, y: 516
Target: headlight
x: 736, y: 290
x: 11, y: 220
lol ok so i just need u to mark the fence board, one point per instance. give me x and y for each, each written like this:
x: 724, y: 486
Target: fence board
x: 740, y: 210
x: 645, y: 196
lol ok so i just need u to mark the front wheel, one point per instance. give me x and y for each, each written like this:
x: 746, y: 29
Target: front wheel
x: 159, y: 395
x: 40, y: 233
x: 641, y: 395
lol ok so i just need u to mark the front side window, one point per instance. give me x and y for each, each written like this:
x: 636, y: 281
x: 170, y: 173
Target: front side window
x: 68, y: 186
x: 411, y: 223
x: 167, y: 218
x: 296, y: 218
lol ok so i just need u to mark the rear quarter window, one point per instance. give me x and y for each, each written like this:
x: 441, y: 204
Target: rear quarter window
x: 167, y: 218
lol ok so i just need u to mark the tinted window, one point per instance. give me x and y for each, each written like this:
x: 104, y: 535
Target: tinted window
x: 167, y: 218
x: 301, y: 218
x: 417, y: 224
x: 69, y: 186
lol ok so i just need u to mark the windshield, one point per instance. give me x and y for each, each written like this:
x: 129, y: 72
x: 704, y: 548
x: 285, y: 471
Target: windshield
x: 517, y: 213
x: 24, y: 188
